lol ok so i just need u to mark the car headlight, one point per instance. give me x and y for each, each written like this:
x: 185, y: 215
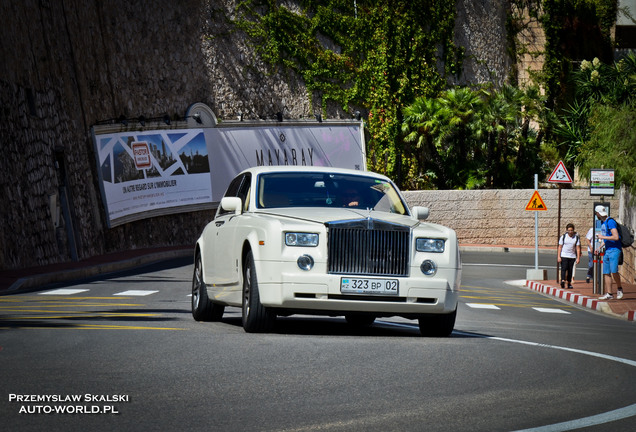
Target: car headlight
x: 429, y: 245
x: 301, y: 239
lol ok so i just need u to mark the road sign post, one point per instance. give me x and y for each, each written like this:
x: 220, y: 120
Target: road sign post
x: 536, y: 204
x: 560, y: 175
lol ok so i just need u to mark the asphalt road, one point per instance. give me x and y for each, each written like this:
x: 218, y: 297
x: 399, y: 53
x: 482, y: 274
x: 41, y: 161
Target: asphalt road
x: 126, y: 347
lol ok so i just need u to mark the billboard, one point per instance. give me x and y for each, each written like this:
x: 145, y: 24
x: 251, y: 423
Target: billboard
x: 235, y: 148
x: 181, y: 168
x: 148, y: 173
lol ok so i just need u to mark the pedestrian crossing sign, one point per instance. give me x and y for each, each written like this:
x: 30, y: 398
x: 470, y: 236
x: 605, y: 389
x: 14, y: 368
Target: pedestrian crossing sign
x: 536, y: 203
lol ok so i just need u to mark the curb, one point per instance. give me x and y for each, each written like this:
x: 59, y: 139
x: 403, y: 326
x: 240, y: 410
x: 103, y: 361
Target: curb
x: 39, y: 280
x: 579, y: 299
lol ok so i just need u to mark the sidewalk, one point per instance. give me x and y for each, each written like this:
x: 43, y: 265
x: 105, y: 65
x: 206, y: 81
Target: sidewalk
x: 582, y: 293
x: 27, y: 279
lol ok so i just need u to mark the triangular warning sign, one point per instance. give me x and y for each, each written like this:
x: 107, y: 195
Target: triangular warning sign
x: 560, y: 174
x: 536, y: 203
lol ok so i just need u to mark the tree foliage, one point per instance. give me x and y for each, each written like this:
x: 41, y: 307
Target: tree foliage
x: 612, y: 144
x: 608, y: 130
x: 466, y: 139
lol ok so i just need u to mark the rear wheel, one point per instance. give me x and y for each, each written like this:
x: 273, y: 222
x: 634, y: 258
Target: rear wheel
x: 202, y: 308
x: 256, y: 317
x: 437, y: 325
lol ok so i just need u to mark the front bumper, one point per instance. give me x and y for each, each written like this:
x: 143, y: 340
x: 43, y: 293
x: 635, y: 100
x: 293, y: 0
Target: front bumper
x: 281, y: 286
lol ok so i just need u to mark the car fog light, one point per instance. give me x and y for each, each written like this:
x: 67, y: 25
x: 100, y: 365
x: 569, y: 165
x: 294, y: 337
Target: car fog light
x: 305, y: 262
x: 428, y: 267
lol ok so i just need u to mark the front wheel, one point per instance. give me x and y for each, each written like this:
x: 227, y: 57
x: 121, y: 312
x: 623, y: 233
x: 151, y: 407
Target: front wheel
x: 203, y: 309
x: 256, y: 317
x: 437, y: 325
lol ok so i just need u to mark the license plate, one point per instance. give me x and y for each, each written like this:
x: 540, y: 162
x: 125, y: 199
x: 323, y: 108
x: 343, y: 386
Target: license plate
x: 369, y: 286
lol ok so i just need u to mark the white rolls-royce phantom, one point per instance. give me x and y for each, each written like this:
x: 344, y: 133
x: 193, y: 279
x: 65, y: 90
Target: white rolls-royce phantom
x: 312, y: 240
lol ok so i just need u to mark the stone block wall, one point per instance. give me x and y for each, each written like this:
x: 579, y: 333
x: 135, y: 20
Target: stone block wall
x: 627, y: 216
x: 480, y: 28
x: 498, y: 217
x: 531, y: 46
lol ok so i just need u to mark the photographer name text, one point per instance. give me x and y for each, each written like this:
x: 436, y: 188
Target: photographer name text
x: 68, y: 404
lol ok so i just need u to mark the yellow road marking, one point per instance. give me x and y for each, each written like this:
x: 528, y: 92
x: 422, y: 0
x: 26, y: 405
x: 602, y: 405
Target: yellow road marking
x: 58, y: 298
x: 82, y: 315
x: 95, y: 327
x: 14, y: 307
x: 49, y: 309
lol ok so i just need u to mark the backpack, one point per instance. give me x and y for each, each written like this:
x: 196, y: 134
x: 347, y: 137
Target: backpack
x: 576, y: 243
x: 626, y: 236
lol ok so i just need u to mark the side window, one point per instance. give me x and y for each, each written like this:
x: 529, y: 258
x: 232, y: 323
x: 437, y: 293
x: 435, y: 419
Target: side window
x: 244, y: 191
x: 232, y: 191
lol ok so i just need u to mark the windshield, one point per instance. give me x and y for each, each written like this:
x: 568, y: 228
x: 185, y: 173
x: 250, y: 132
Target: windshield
x: 327, y: 190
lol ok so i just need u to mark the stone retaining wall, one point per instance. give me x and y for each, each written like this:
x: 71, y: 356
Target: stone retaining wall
x: 498, y: 217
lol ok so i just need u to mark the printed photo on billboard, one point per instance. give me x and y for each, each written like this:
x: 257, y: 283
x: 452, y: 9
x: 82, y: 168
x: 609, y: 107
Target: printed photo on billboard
x: 148, y: 173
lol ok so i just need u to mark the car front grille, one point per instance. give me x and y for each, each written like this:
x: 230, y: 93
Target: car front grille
x: 368, y: 247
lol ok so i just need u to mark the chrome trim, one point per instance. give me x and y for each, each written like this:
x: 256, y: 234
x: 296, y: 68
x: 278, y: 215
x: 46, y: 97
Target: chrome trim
x: 368, y: 247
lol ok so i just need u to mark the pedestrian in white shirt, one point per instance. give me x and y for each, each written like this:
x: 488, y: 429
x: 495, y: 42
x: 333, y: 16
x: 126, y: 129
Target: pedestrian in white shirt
x: 569, y: 254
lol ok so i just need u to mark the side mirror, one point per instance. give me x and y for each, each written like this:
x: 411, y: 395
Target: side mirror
x: 420, y: 213
x: 232, y: 204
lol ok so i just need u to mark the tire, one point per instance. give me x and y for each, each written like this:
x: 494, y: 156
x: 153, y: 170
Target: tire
x: 437, y: 325
x: 256, y: 317
x: 360, y: 320
x: 203, y: 309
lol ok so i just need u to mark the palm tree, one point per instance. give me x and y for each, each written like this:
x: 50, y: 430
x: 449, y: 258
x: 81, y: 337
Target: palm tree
x: 421, y: 126
x: 459, y: 106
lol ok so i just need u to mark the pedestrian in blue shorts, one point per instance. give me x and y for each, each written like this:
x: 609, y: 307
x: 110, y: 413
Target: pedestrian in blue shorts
x: 611, y: 240
x: 590, y: 255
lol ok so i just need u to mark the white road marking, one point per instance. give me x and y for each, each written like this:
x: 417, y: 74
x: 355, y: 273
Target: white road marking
x: 136, y: 293
x: 551, y: 310
x: 63, y: 291
x: 606, y: 417
x: 482, y: 306
x: 518, y: 282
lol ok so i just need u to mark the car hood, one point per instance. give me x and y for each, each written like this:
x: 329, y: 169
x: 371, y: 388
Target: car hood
x: 326, y: 215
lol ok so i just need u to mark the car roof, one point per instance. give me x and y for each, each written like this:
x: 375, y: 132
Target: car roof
x: 308, y: 169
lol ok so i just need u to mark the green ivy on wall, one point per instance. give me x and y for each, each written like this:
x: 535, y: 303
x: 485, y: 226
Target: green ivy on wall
x: 376, y: 56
